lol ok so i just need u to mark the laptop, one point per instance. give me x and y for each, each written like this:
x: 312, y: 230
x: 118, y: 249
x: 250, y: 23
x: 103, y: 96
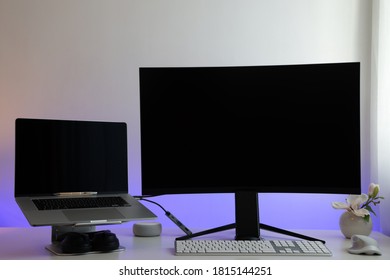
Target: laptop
x: 73, y: 173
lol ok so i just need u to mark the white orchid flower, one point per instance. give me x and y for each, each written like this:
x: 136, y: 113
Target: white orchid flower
x: 356, y: 200
x: 353, y: 205
x: 373, y: 190
x: 359, y: 205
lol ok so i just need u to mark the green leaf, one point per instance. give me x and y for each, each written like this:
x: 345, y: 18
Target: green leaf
x: 366, y: 218
x: 368, y: 207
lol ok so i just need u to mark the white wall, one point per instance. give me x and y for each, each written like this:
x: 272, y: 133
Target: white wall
x: 381, y: 105
x: 78, y: 59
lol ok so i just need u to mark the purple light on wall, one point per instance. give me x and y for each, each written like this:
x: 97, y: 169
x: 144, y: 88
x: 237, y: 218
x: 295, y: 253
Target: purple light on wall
x: 202, y: 211
x: 287, y: 211
x: 10, y: 214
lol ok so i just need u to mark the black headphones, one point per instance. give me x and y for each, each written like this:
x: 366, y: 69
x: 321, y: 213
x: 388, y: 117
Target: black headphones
x: 77, y: 242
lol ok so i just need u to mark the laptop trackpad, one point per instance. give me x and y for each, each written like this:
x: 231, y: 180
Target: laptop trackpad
x: 93, y: 214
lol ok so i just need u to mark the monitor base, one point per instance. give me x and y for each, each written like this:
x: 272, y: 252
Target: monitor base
x: 261, y: 226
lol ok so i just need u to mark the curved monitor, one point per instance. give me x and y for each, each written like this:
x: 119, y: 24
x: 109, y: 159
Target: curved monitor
x: 292, y: 128
x: 251, y: 129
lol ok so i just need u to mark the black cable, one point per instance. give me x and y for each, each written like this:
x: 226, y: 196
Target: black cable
x: 168, y: 214
x: 151, y: 201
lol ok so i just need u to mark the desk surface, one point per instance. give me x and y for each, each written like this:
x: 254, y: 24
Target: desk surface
x: 29, y: 244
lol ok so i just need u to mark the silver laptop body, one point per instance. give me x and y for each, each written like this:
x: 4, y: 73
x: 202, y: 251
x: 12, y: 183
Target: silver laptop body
x: 61, y: 159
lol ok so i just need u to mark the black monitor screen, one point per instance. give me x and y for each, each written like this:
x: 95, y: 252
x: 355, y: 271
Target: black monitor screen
x: 290, y: 128
x: 54, y: 156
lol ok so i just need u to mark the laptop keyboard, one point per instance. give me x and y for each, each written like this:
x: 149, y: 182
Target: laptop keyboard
x: 79, y: 202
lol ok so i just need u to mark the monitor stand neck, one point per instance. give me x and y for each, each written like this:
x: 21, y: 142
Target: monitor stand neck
x: 247, y: 221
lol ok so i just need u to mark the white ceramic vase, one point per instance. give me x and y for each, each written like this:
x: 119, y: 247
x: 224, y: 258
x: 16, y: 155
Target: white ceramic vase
x: 351, y: 224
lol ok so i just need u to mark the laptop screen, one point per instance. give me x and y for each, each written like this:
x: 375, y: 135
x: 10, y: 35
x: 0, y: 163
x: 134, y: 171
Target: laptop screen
x: 56, y: 156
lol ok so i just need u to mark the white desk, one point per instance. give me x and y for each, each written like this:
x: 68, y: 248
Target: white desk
x: 29, y: 244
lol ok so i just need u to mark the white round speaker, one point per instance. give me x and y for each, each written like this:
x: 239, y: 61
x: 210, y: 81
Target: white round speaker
x: 147, y: 229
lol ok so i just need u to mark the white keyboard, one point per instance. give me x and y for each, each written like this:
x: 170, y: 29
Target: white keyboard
x: 251, y: 247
